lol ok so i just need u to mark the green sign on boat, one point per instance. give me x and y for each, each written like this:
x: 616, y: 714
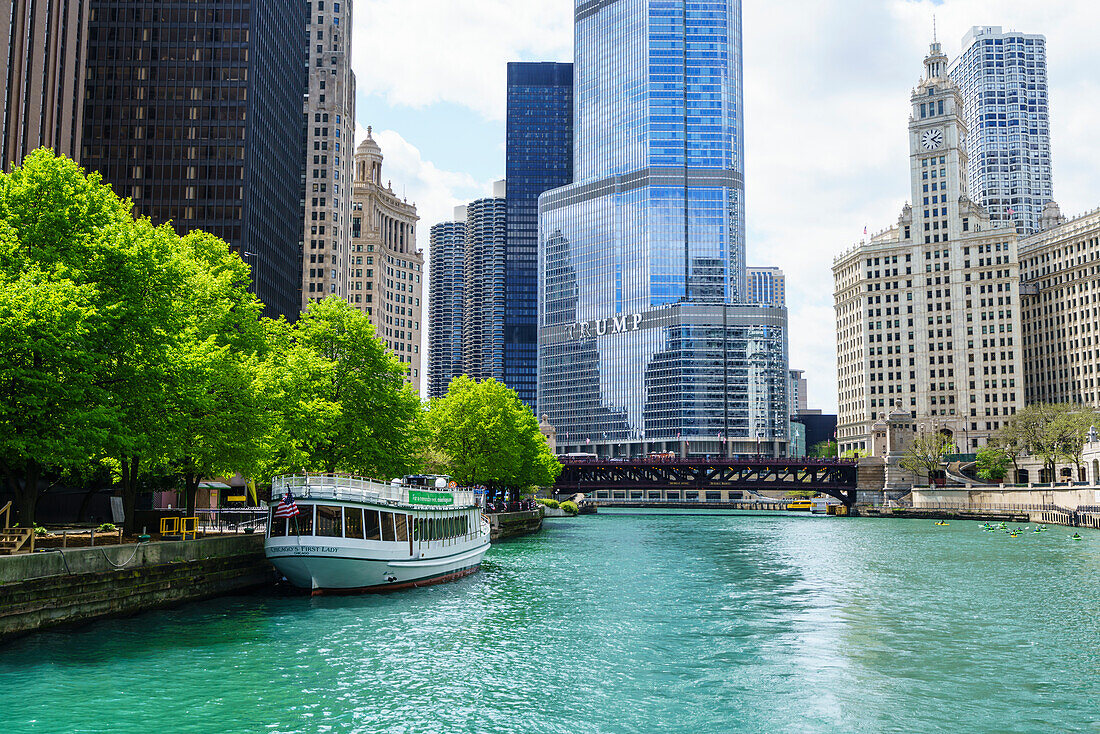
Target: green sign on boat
x: 419, y: 497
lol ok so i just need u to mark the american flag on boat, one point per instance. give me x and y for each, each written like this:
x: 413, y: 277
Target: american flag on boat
x: 287, y: 507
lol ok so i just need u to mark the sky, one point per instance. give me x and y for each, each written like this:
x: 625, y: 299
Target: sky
x: 827, y: 85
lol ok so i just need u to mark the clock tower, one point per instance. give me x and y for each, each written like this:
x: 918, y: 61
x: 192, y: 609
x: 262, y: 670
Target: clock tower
x: 941, y: 209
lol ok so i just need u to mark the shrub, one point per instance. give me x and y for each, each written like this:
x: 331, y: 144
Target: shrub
x: 570, y: 507
x: 107, y: 527
x: 39, y: 530
x: 552, y: 504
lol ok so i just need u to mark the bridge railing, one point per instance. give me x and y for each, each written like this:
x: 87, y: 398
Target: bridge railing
x: 715, y: 460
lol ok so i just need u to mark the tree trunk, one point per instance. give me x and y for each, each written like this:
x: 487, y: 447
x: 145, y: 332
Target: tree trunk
x: 130, y: 466
x: 26, y: 494
x: 191, y: 488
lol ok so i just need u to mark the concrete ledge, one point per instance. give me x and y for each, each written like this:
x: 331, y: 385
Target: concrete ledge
x: 38, y: 592
x: 514, y: 524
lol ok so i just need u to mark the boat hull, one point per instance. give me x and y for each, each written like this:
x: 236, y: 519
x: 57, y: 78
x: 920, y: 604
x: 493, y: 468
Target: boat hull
x: 343, y: 571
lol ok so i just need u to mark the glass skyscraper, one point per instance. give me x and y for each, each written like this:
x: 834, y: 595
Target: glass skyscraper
x: 1003, y: 80
x: 645, y: 339
x: 539, y: 157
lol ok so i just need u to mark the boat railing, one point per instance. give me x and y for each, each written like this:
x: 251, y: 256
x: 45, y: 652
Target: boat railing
x: 361, y: 489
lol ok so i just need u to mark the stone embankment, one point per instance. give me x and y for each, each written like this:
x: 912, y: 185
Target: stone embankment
x: 514, y: 524
x: 53, y: 588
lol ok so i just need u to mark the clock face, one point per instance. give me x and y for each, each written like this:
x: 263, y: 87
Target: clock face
x: 932, y: 139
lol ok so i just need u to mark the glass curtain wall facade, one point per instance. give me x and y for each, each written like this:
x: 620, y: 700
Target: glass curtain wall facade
x: 539, y: 157
x: 194, y: 110
x: 644, y: 339
x: 483, y: 303
x: 448, y: 244
x: 1003, y: 80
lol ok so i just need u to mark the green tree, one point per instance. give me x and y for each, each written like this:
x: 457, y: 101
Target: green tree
x: 490, y: 438
x: 924, y: 456
x: 992, y: 462
x: 218, y: 408
x: 341, y: 401
x: 824, y: 450
x: 1071, y: 427
x: 1043, y: 430
x: 68, y: 250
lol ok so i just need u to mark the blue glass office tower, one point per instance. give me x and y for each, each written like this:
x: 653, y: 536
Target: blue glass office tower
x: 644, y: 339
x: 539, y: 157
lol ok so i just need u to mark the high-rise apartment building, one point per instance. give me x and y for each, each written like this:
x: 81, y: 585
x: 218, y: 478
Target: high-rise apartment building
x: 483, y: 277
x: 539, y: 157
x: 766, y: 286
x: 42, y: 57
x: 194, y: 110
x: 798, y: 388
x: 1003, y: 81
x: 644, y: 343
x: 928, y: 312
x: 448, y: 250
x: 329, y: 126
x: 385, y: 269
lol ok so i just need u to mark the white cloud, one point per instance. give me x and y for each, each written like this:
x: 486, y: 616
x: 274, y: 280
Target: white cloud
x: 826, y: 97
x: 419, y: 52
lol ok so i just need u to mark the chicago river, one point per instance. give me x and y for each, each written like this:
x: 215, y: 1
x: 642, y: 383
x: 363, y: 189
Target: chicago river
x: 620, y: 623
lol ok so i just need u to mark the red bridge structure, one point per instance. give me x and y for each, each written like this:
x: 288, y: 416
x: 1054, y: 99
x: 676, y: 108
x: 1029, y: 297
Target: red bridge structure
x: 707, y: 481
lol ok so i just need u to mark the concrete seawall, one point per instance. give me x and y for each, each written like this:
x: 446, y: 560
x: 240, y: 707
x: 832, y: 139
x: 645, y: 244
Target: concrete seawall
x: 43, y: 590
x: 514, y: 524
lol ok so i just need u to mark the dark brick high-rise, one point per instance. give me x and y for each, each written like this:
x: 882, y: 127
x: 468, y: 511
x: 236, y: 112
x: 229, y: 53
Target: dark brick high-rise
x: 194, y: 109
x: 539, y: 157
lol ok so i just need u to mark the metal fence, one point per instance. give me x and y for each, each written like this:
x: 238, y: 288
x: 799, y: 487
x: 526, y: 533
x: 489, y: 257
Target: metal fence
x: 236, y: 520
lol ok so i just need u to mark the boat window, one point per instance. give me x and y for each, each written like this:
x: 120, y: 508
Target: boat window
x: 370, y: 525
x: 437, y: 528
x: 277, y: 526
x: 330, y: 521
x: 401, y: 525
x: 302, y: 523
x: 353, y: 522
x: 387, y: 526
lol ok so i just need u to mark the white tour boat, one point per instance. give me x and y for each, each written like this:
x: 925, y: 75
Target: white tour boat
x: 353, y: 534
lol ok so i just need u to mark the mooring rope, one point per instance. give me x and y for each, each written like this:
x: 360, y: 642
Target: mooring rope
x: 107, y: 558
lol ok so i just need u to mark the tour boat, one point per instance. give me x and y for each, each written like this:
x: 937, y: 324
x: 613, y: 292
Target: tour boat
x: 352, y: 534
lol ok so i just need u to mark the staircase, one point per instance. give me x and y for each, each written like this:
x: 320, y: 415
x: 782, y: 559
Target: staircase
x: 13, y: 539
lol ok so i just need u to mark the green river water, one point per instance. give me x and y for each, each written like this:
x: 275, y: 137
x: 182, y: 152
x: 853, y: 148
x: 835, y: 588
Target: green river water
x: 619, y: 623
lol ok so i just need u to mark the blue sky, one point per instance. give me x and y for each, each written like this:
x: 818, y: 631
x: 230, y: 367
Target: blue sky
x: 827, y: 87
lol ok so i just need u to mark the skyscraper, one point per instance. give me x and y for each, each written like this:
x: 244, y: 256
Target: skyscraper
x: 330, y: 140
x: 928, y: 312
x: 1003, y: 81
x: 539, y: 157
x: 483, y: 276
x: 767, y: 286
x: 385, y: 267
x: 194, y: 110
x: 643, y: 341
x: 42, y: 67
x: 448, y: 246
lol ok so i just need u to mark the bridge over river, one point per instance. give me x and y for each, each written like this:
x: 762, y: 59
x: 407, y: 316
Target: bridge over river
x: 715, y: 481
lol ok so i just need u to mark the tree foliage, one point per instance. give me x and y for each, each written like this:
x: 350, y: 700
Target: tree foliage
x: 127, y: 346
x: 992, y: 462
x: 490, y: 438
x: 824, y: 450
x: 341, y: 399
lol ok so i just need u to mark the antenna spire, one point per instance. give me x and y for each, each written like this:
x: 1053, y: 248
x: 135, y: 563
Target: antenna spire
x: 935, y: 39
